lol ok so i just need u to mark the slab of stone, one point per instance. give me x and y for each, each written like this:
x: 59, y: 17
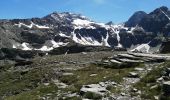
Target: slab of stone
x: 133, y: 75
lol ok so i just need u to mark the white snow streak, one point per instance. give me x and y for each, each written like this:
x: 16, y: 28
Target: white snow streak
x: 31, y: 25
x: 50, y: 45
x: 87, y: 40
x: 165, y: 14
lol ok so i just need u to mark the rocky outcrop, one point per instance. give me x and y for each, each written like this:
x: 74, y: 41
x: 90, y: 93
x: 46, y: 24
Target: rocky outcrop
x: 165, y: 47
x: 156, y: 21
x: 77, y: 48
x: 166, y: 87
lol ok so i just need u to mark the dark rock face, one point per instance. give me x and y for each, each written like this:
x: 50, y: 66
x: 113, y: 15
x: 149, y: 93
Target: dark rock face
x: 156, y: 21
x: 135, y: 19
x: 166, y: 87
x: 165, y: 47
x: 77, y: 48
x: 17, y: 55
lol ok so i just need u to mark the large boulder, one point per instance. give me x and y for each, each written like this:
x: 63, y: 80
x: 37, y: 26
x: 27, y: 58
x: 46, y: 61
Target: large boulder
x: 166, y: 87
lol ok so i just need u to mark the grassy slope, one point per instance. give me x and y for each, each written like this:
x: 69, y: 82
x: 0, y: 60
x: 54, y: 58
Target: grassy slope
x: 28, y: 85
x: 149, y: 81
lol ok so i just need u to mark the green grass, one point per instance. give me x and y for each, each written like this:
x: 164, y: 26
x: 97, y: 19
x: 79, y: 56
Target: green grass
x: 82, y: 76
x: 37, y: 93
x: 16, y: 85
x: 150, y: 80
x: 16, y: 82
x: 5, y: 67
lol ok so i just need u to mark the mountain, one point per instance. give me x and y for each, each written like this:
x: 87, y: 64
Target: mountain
x: 157, y: 21
x: 135, y: 19
x: 61, y: 29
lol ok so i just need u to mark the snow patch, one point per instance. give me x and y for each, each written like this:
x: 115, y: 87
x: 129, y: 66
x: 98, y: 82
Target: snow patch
x: 31, y: 25
x: 105, y: 41
x: 144, y: 48
x: 89, y: 40
x: 25, y: 46
x: 82, y: 23
x: 45, y: 48
x: 50, y: 45
x: 63, y: 35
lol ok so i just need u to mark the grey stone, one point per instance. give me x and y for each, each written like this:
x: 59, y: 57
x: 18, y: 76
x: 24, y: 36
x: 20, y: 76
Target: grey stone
x: 133, y: 75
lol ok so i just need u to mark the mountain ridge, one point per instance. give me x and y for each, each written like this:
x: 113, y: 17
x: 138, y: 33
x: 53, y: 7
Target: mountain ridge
x: 60, y: 29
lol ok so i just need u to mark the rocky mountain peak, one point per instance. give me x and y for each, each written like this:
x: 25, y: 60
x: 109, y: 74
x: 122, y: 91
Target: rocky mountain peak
x: 158, y: 10
x: 135, y: 18
x: 110, y: 23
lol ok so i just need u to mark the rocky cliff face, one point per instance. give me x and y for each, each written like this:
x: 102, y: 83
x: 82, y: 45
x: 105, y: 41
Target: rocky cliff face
x: 165, y: 47
x: 60, y: 29
x: 156, y: 21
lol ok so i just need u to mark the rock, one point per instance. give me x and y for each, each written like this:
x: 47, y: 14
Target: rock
x: 167, y: 71
x: 165, y: 47
x: 123, y: 94
x: 160, y: 80
x: 166, y: 87
x: 153, y: 87
x: 106, y: 61
x: 139, y: 69
x: 115, y: 61
x: 113, y: 83
x: 133, y: 75
x: 93, y: 75
x: 23, y: 63
x: 60, y: 84
x: 156, y: 97
x: 67, y: 74
x: 94, y: 88
x: 134, y: 90
x: 84, y: 53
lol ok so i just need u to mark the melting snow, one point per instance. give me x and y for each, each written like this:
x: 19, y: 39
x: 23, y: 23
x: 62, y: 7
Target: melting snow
x: 131, y: 30
x: 25, y: 46
x: 45, y: 48
x: 116, y: 29
x: 53, y: 45
x: 14, y: 46
x: 82, y: 23
x: 31, y: 25
x: 63, y: 35
x: 90, y: 40
x: 144, y: 48
x: 105, y: 41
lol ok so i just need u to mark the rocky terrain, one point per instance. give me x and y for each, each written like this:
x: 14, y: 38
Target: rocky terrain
x: 98, y: 75
x: 66, y: 56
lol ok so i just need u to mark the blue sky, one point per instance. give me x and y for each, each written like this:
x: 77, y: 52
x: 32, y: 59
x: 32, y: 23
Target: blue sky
x: 97, y: 10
